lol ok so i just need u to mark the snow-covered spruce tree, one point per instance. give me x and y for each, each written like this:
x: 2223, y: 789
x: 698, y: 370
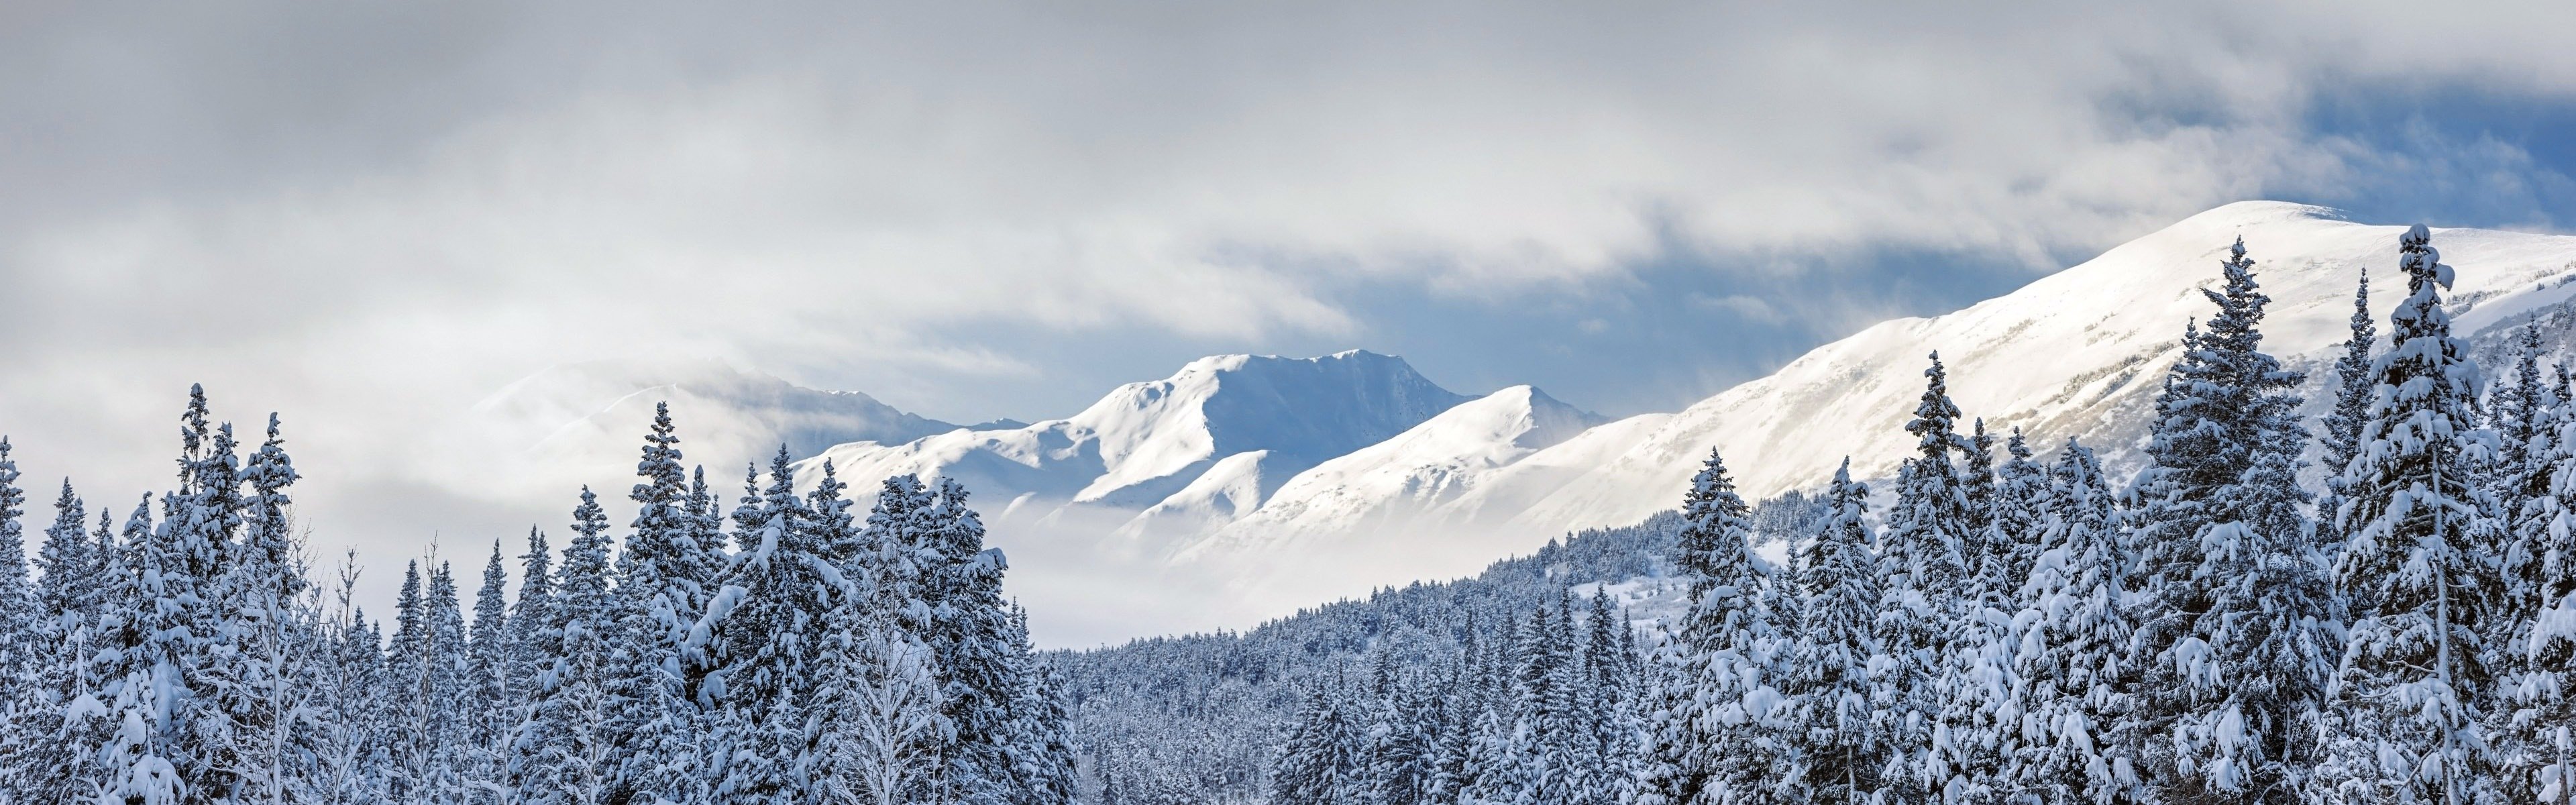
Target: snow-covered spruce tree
x: 1974, y: 737
x: 2070, y: 661
x: 665, y: 578
x: 2542, y: 735
x: 531, y: 642
x: 1831, y: 732
x: 2417, y: 567
x: 773, y: 645
x: 1922, y: 607
x: 22, y: 640
x: 40, y: 750
x: 1043, y: 750
x: 2023, y: 495
x: 1539, y: 760
x: 2518, y: 410
x: 488, y: 696
x: 426, y: 667
x: 1985, y: 548
x: 1711, y: 695
x: 2530, y: 728
x: 140, y: 684
x: 260, y: 665
x: 163, y: 623
x: 1394, y: 751
x: 1610, y: 668
x: 1320, y: 761
x: 2340, y: 442
x: 568, y: 755
x: 2236, y: 630
x: 969, y: 634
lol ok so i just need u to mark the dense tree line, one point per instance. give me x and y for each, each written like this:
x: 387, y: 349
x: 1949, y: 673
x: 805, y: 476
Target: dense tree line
x: 2013, y: 629
x: 789, y: 650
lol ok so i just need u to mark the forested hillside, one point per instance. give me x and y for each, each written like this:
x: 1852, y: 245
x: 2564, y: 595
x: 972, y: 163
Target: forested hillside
x: 2013, y: 625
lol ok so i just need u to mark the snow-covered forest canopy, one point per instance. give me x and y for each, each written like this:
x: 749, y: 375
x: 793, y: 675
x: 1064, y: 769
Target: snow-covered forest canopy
x: 2010, y: 625
x: 785, y: 649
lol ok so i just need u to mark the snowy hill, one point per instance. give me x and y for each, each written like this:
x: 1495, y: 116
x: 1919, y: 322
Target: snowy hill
x: 1392, y: 484
x: 2076, y: 353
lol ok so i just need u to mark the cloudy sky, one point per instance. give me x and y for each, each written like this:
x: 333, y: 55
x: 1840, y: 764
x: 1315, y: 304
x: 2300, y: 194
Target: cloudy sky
x: 369, y: 216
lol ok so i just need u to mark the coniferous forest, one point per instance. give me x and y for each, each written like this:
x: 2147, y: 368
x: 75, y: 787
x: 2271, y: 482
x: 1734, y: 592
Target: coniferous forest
x: 2376, y: 605
x: 785, y: 649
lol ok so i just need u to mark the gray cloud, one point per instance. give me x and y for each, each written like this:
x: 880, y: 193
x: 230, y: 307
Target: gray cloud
x: 369, y: 216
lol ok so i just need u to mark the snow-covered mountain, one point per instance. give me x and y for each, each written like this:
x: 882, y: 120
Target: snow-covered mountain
x: 1196, y: 449
x: 2076, y: 353
x: 1277, y: 480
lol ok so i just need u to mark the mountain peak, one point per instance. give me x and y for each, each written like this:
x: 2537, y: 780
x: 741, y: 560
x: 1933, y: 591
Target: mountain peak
x: 2259, y: 211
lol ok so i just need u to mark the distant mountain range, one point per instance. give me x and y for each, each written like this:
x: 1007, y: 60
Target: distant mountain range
x: 1291, y: 479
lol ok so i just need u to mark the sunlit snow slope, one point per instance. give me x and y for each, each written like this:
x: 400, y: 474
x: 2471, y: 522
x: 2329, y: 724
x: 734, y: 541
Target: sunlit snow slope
x: 1249, y: 485
x: 2077, y: 353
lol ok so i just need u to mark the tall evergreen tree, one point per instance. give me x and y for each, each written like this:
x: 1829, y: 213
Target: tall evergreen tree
x: 1834, y: 734
x: 1924, y: 602
x: 774, y: 646
x: 2237, y: 625
x: 969, y: 634
x: 665, y: 578
x: 18, y: 604
x: 2071, y: 661
x: 487, y: 691
x: 569, y: 756
x: 2023, y: 496
x: 2340, y: 441
x: 2417, y: 566
x: 1712, y: 695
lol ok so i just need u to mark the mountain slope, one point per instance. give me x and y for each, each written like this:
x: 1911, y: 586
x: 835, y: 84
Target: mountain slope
x: 1389, y: 485
x: 2076, y: 353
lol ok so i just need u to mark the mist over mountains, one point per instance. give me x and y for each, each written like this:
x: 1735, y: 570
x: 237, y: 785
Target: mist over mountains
x: 1255, y: 484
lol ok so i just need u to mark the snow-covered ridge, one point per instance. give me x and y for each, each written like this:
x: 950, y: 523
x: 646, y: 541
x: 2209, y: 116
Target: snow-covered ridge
x: 2076, y: 353
x: 1206, y: 444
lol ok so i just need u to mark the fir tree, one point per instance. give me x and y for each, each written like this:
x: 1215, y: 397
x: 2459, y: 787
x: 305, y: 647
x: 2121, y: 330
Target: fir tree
x: 1925, y: 601
x: 665, y: 578
x: 2023, y: 495
x: 2417, y: 566
x: 1833, y: 733
x: 2237, y: 627
x: 18, y: 603
x: 2070, y: 662
x: 1043, y: 752
x: 1319, y: 761
x: 2341, y: 442
x: 969, y: 635
x: 774, y: 644
x: 569, y: 757
x: 487, y: 691
x: 1712, y: 694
